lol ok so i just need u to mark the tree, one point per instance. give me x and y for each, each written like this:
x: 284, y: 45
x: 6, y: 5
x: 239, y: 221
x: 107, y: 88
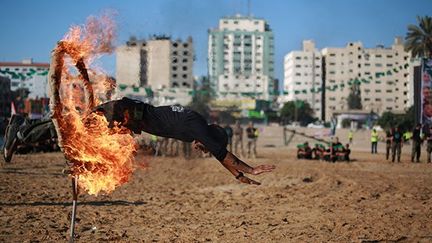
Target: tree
x: 403, y: 121
x: 354, y: 98
x: 418, y: 40
x: 201, y: 97
x: 298, y: 110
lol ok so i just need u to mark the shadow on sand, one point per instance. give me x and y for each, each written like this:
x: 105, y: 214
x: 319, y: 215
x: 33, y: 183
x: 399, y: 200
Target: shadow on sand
x: 65, y: 204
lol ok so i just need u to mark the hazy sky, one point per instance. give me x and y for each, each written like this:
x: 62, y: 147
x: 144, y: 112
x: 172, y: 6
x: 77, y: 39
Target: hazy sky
x: 31, y: 28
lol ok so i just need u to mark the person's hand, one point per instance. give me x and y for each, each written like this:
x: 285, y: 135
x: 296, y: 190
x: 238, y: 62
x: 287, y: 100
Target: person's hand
x: 262, y: 168
x: 246, y: 180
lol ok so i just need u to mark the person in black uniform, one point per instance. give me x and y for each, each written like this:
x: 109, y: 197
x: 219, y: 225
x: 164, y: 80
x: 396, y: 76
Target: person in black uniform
x: 416, y: 143
x: 179, y: 123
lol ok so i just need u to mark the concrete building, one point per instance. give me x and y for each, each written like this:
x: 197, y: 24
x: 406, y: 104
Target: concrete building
x: 5, y: 97
x: 241, y: 58
x: 157, y: 63
x: 27, y: 75
x: 302, y: 71
x: 381, y: 74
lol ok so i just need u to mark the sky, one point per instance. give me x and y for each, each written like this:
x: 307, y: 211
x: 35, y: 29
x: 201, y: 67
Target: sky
x: 30, y: 29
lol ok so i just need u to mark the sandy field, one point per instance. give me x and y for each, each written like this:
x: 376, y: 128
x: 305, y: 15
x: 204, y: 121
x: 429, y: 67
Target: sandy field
x: 177, y: 200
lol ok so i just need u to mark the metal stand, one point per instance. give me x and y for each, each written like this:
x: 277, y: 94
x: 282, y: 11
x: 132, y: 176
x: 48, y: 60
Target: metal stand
x: 74, y: 208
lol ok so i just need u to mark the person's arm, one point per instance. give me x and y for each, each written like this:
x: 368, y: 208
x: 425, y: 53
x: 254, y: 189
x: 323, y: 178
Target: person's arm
x: 238, y: 167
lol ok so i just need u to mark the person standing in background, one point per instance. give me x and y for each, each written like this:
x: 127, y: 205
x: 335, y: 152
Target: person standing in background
x: 350, y: 136
x: 389, y: 142
x: 396, y: 144
x: 374, y: 141
x: 238, y: 138
x: 251, y: 133
x: 229, y: 132
x: 416, y: 143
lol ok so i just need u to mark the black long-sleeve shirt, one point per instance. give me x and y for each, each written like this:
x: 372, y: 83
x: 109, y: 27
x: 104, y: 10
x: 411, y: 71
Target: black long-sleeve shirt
x: 168, y: 121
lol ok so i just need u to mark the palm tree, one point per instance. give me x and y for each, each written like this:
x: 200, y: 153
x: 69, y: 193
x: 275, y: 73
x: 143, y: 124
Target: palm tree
x: 419, y: 38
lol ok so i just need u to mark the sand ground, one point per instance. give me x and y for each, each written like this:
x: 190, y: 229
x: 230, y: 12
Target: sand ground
x: 175, y: 200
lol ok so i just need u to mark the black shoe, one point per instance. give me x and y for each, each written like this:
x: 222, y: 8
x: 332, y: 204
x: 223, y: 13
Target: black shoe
x: 10, y: 138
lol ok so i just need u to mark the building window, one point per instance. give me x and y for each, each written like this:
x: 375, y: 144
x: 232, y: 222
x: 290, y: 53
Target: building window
x: 184, y: 75
x: 174, y: 68
x: 185, y: 45
x: 174, y: 75
x: 185, y: 53
x: 235, y: 22
x: 184, y: 68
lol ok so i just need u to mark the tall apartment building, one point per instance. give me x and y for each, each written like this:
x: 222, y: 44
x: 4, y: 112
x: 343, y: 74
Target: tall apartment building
x: 157, y: 63
x: 241, y: 58
x: 27, y: 75
x: 382, y: 88
x: 302, y: 71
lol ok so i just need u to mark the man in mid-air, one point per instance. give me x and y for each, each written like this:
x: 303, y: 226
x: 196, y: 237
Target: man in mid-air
x: 165, y: 121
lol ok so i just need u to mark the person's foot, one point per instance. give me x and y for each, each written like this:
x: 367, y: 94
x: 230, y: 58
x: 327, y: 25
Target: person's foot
x: 11, y: 139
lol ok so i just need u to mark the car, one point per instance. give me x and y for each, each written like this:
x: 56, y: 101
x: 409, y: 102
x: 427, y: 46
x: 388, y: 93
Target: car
x: 315, y: 125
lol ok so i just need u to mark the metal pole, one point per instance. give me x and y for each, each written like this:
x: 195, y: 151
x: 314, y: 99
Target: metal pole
x: 74, y: 208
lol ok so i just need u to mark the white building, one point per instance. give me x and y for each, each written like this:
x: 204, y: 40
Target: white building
x: 157, y: 63
x: 27, y: 75
x: 240, y: 58
x: 303, y: 72
x: 381, y: 73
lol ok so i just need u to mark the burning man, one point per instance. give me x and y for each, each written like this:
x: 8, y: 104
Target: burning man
x: 165, y: 121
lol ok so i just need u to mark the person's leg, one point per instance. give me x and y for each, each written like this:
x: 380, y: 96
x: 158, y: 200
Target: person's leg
x: 418, y: 152
x: 11, y: 140
x: 254, y: 147
x: 387, y: 151
x: 428, y: 152
x: 413, y: 150
x: 236, y: 143
x: 393, y: 152
x: 399, y: 151
x: 249, y: 144
x: 38, y: 132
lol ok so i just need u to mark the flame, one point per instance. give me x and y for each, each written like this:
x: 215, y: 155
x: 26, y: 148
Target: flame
x: 102, y: 157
